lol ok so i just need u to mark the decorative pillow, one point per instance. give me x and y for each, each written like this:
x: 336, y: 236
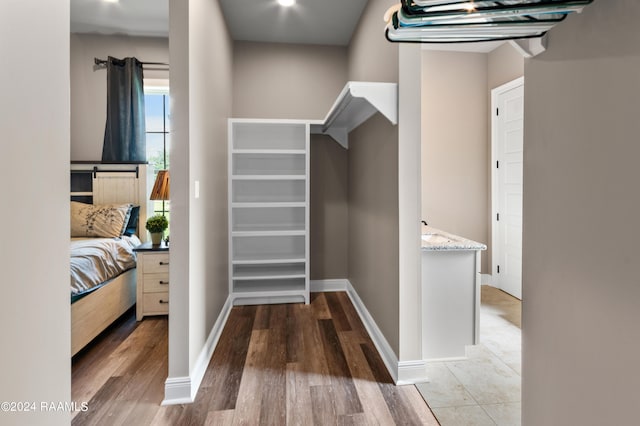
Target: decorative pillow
x: 132, y: 225
x: 106, y: 220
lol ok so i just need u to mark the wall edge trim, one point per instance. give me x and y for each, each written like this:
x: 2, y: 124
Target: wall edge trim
x: 183, y: 390
x: 380, y: 342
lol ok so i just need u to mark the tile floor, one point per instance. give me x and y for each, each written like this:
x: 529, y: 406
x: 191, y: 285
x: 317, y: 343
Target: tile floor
x: 483, y: 389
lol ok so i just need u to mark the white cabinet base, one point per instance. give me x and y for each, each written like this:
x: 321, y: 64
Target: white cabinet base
x: 450, y: 302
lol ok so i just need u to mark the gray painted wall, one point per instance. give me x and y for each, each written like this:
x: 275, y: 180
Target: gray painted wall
x: 371, y: 56
x: 89, y: 84
x: 373, y: 181
x: 201, y: 82
x: 34, y: 122
x: 581, y: 206
x: 329, y: 210
x: 288, y: 81
x: 504, y: 64
x: 373, y: 222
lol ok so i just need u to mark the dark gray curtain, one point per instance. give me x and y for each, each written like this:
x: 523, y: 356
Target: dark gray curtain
x: 124, y: 134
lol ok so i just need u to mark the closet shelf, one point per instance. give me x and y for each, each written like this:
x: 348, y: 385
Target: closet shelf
x: 264, y: 261
x: 257, y: 205
x: 268, y: 233
x: 268, y: 277
x: 258, y: 292
x: 268, y: 177
x: 270, y: 151
x: 357, y: 102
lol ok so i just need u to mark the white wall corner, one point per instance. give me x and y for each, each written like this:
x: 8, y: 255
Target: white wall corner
x: 409, y: 202
x: 412, y: 372
x: 183, y: 390
x: 177, y: 390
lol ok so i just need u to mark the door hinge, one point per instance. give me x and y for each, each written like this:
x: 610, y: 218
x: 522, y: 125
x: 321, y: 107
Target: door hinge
x: 497, y: 164
x: 498, y: 216
x: 497, y: 111
x: 498, y: 268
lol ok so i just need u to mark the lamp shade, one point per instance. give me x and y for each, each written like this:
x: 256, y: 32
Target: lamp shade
x: 160, y: 189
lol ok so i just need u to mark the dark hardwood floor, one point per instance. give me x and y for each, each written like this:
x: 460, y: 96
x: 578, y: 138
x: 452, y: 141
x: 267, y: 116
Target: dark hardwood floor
x: 290, y: 364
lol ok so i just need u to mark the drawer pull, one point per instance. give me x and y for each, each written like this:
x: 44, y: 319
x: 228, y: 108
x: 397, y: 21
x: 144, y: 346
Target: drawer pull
x: 164, y: 302
x: 164, y: 263
x: 163, y: 282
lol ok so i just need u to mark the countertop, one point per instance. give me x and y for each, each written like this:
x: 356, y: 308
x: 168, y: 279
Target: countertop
x: 436, y: 239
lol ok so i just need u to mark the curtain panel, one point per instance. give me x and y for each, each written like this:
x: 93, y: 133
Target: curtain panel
x: 124, y: 134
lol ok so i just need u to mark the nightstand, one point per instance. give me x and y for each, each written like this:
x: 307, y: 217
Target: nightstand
x: 153, y: 280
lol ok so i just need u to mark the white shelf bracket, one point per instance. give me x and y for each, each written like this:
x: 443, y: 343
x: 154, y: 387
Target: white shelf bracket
x: 383, y: 98
x: 340, y: 135
x: 357, y: 102
x: 530, y: 47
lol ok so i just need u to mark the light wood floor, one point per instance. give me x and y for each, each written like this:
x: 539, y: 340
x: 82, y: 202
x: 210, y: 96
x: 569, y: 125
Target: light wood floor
x: 274, y: 365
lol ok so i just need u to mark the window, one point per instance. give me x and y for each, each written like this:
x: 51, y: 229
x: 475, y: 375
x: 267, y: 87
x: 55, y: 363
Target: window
x: 156, y: 100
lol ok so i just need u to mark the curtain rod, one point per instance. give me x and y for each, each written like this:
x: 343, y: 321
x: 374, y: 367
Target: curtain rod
x: 102, y: 62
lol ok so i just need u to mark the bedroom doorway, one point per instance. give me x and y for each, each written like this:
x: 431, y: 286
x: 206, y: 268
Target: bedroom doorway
x: 507, y: 127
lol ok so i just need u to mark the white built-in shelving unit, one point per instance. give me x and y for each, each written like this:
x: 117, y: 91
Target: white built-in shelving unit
x: 268, y: 211
x: 269, y: 193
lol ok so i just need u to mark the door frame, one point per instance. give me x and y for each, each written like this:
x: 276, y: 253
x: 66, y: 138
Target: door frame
x: 495, y: 93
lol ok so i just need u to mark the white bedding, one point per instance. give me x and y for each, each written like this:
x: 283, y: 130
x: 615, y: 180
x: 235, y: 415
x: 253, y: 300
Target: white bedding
x: 96, y: 260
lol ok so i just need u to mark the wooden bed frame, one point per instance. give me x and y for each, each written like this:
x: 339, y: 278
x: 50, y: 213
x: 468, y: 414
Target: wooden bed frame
x: 97, y: 310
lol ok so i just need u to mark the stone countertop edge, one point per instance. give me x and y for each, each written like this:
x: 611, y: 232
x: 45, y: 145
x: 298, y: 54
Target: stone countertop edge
x: 456, y: 242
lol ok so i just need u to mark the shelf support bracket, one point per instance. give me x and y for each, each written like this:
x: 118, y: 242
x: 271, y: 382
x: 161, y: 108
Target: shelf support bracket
x: 357, y: 102
x: 340, y: 135
x: 383, y: 98
x: 530, y: 47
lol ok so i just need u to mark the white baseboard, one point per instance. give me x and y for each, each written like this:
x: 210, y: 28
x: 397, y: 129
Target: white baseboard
x: 384, y: 349
x: 412, y: 372
x: 319, y: 286
x: 402, y: 372
x: 486, y: 279
x: 177, y: 390
x: 183, y: 390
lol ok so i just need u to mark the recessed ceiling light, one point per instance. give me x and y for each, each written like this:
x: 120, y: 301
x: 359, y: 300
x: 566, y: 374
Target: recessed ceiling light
x: 111, y: 1
x: 470, y: 7
x: 286, y: 3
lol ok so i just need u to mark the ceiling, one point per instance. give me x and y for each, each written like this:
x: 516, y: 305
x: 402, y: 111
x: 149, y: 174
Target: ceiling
x: 329, y: 22
x: 134, y: 17
x: 307, y: 22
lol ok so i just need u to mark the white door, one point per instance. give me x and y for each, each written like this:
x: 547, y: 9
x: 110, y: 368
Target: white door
x: 507, y: 144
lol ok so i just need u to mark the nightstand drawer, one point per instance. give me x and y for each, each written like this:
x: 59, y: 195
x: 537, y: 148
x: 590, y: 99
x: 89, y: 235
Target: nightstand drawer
x: 153, y: 280
x: 155, y: 263
x: 155, y: 283
x: 156, y: 303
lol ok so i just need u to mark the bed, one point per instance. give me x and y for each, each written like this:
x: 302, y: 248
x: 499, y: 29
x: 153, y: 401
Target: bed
x: 103, y: 267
